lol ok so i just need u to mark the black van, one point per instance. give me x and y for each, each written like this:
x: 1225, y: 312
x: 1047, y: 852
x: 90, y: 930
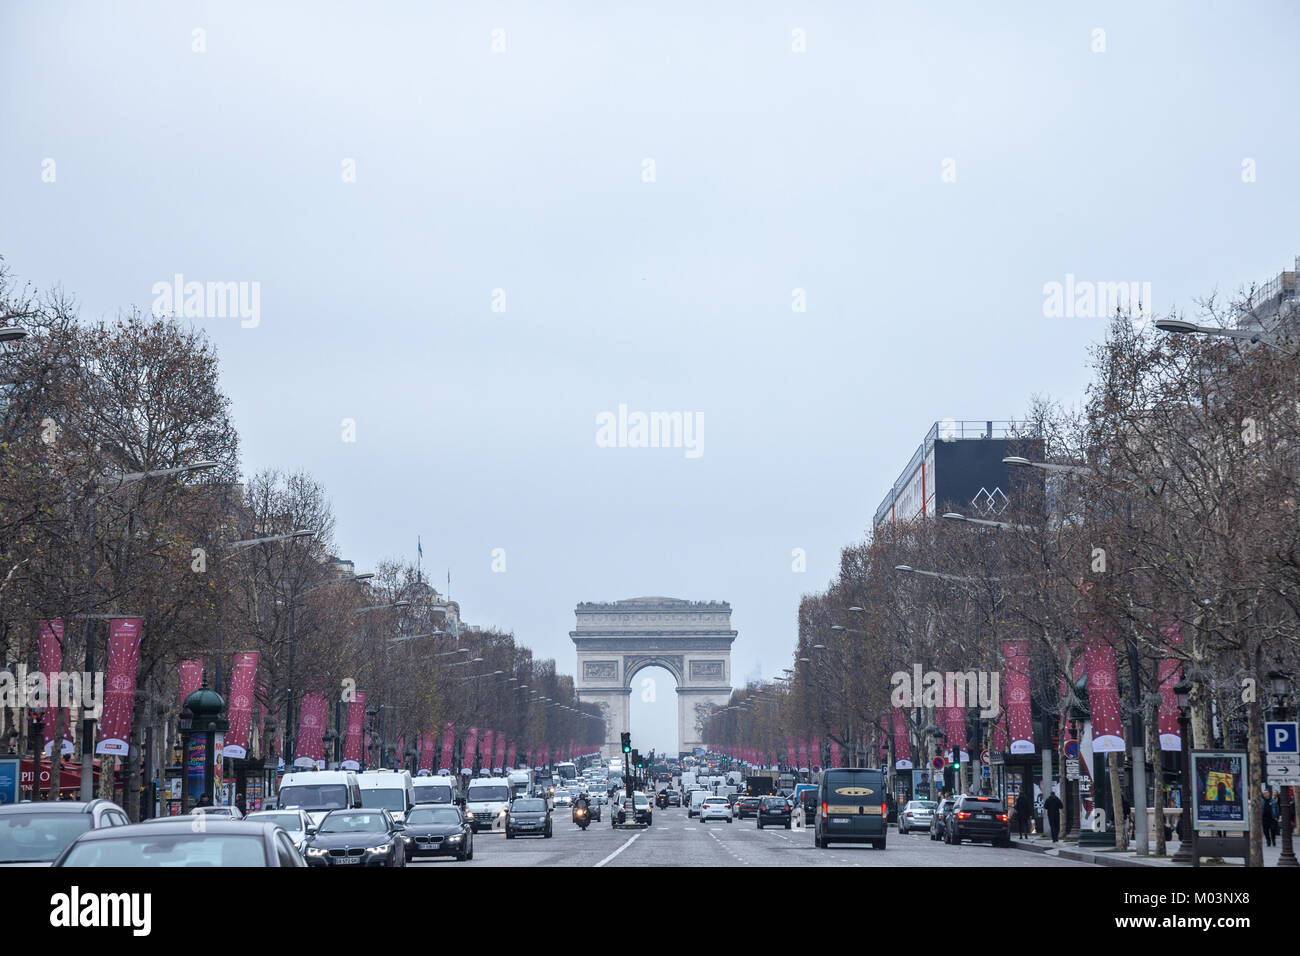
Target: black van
x: 851, y: 807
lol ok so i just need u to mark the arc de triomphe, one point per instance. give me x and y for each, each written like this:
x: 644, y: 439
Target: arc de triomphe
x: 690, y: 639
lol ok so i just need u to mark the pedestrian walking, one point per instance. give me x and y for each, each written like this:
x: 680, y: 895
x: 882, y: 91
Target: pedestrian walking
x: 241, y: 804
x: 1268, y: 817
x: 1053, y: 807
x: 1023, y: 809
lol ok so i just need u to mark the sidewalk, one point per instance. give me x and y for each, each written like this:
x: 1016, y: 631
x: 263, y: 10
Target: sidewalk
x: 1072, y: 851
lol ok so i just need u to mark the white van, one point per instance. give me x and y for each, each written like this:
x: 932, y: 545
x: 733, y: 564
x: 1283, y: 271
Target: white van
x: 697, y: 800
x: 391, y: 790
x: 318, y: 792
x: 521, y: 783
x: 435, y: 789
x: 485, y: 799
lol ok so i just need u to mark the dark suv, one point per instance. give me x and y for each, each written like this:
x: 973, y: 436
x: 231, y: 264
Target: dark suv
x: 747, y: 807
x: 978, y: 818
x: 774, y: 810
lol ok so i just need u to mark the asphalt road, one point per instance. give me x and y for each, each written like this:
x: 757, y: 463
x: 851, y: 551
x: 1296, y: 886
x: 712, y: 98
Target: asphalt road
x: 675, y: 840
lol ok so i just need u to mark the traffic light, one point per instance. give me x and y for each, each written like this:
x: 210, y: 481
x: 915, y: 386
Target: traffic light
x: 636, y: 759
x: 627, y: 742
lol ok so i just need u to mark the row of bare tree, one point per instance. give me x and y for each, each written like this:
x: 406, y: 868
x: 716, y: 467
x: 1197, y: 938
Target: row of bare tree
x: 89, y: 411
x: 1167, y: 507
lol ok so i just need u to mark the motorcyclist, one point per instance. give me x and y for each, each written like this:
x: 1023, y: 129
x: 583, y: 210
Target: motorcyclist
x: 582, y: 803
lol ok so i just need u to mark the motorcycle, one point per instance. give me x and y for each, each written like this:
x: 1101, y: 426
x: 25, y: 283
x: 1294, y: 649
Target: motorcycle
x: 580, y: 818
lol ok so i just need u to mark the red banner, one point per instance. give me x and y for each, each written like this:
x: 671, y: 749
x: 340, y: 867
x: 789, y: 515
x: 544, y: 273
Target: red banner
x: 448, y: 744
x: 500, y: 759
x: 1169, y: 674
x: 471, y: 749
x: 801, y: 751
x: 427, y: 741
x: 955, y: 726
x: 902, y: 741
x: 354, y: 736
x: 119, y: 685
x: 191, y: 678
x: 789, y: 752
x: 51, y: 662
x: 489, y: 737
x: 510, y: 755
x: 1019, y: 711
x: 310, y: 747
x: 243, y: 680
x: 1103, y: 687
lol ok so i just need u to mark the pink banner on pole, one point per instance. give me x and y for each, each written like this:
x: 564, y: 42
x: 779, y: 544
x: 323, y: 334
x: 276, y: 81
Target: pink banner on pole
x: 488, y: 737
x: 471, y: 749
x: 427, y: 741
x: 955, y: 725
x: 51, y: 663
x: 119, y: 685
x: 902, y: 741
x: 510, y: 755
x: 500, y: 759
x: 1169, y: 674
x: 1000, y: 733
x: 801, y: 751
x: 243, y: 680
x: 311, y: 725
x: 354, y: 736
x: 191, y: 678
x: 1103, y: 687
x: 835, y: 755
x: 448, y: 744
x: 789, y: 752
x: 1019, y: 711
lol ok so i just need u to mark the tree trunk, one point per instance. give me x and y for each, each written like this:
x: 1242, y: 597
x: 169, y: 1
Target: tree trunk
x: 135, y: 753
x: 1157, y: 776
x: 56, y: 750
x: 1254, y: 747
x: 1117, y: 802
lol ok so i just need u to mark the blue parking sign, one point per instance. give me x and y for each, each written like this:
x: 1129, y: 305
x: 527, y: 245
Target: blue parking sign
x: 1280, y: 737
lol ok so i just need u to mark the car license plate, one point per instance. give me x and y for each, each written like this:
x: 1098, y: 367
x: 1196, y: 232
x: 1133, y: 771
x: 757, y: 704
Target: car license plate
x: 841, y: 820
x: 348, y: 859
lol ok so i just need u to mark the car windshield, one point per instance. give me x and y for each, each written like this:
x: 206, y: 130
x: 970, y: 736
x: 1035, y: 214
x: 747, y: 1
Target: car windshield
x: 641, y: 801
x: 923, y: 804
x: 39, y: 837
x: 354, y: 823
x: 443, y: 816
x: 384, y: 798
x: 488, y: 794
x: 170, y: 849
x: 315, y: 796
x: 286, y: 821
x: 433, y: 793
x: 529, y: 806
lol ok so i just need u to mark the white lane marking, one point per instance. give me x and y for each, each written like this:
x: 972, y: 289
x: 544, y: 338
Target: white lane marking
x: 620, y: 849
x: 692, y: 829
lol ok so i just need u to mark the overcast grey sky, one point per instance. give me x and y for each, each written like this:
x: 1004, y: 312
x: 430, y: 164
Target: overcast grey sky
x: 522, y: 169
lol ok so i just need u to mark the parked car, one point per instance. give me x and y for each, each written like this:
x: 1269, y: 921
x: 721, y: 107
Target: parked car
x: 357, y: 838
x: 176, y: 841
x: 296, y: 823
x: 229, y: 813
x: 916, y: 816
x: 439, y: 830
x: 978, y: 818
x: 715, y: 808
x: 939, y: 819
x: 528, y: 815
x: 774, y: 810
x: 34, y: 834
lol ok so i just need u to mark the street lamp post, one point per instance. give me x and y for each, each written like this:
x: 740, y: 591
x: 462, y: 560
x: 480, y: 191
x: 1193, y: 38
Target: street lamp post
x: 1187, y: 843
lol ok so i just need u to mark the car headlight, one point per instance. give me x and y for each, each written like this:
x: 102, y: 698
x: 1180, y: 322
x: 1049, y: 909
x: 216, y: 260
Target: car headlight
x: 469, y: 814
x: 316, y: 851
x: 383, y: 848
x: 455, y: 838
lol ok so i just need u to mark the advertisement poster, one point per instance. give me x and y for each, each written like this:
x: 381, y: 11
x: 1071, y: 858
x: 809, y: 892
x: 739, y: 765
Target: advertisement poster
x: 921, y: 785
x: 10, y: 769
x: 1219, y: 800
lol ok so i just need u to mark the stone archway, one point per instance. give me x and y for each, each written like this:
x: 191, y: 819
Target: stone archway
x: 690, y: 639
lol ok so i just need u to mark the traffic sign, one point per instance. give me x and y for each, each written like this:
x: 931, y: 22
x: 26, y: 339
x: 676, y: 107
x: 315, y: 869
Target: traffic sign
x: 1280, y: 737
x: 938, y: 763
x: 1071, y: 768
x: 984, y: 758
x: 1072, y: 749
x: 1283, y: 770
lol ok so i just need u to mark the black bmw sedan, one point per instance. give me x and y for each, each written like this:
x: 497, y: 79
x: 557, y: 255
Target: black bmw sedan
x: 357, y: 838
x: 438, y: 831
